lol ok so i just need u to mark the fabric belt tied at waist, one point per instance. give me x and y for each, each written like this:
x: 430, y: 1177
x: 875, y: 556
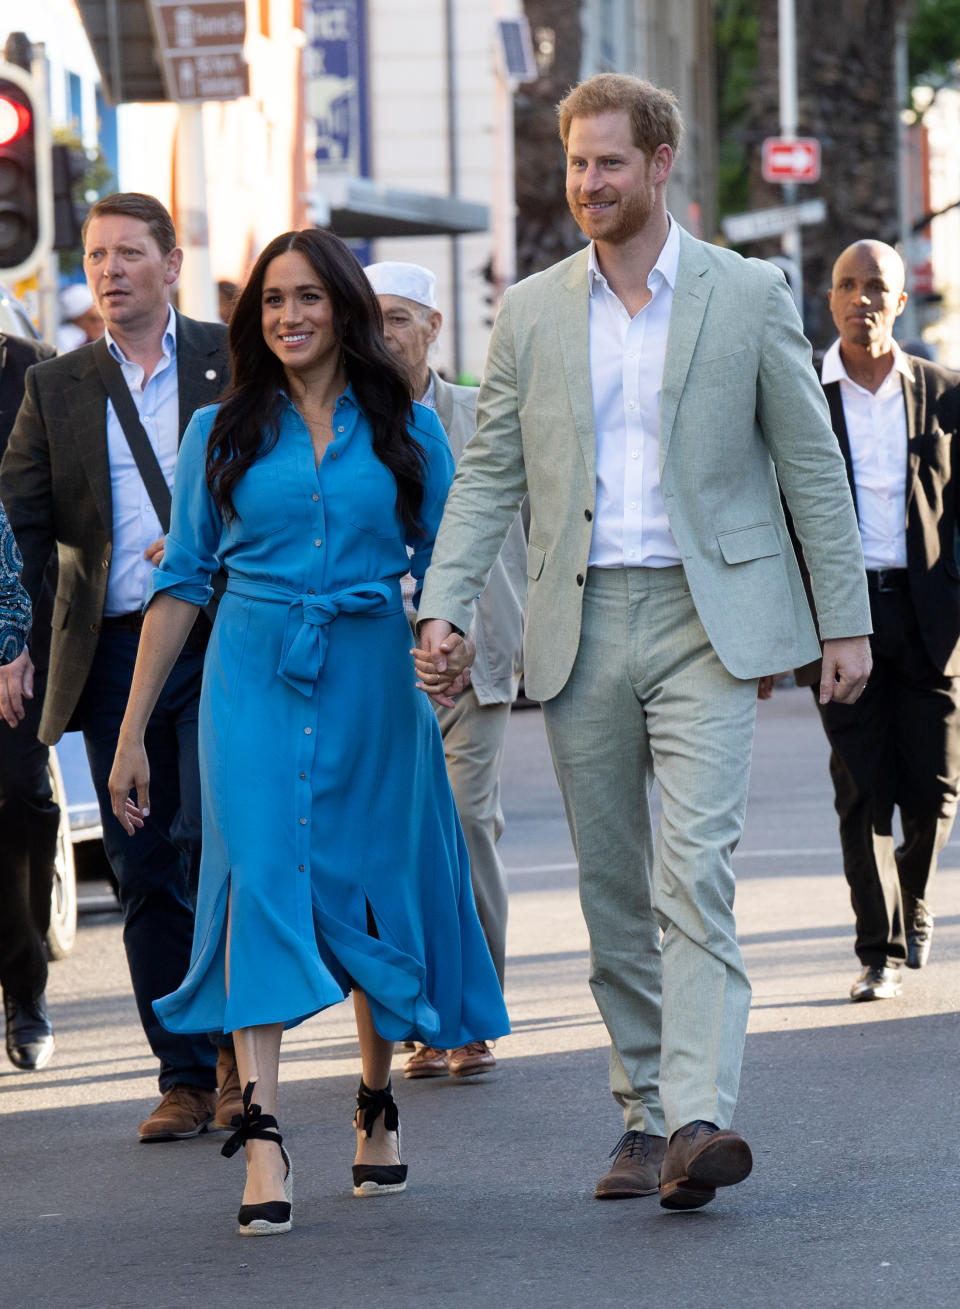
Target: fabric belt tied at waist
x: 308, y: 617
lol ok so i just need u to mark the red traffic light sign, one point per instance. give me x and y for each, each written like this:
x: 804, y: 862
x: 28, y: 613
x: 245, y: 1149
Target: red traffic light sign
x: 25, y: 202
x: 786, y: 160
x: 15, y: 119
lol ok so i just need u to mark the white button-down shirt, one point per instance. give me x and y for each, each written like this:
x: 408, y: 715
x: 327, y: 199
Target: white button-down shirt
x: 630, y: 526
x: 135, y: 523
x: 877, y: 431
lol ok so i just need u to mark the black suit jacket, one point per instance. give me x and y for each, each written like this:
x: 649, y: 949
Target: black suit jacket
x: 932, y: 509
x: 55, y: 484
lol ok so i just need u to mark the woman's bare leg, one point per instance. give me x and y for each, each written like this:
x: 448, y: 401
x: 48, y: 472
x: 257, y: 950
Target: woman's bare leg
x: 376, y: 1056
x: 258, y: 1060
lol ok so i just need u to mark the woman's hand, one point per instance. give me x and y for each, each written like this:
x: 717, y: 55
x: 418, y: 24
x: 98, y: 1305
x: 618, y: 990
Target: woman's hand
x: 443, y: 667
x: 130, y: 772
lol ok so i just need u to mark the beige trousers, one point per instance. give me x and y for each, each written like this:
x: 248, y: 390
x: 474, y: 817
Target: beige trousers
x: 648, y: 698
x: 473, y: 739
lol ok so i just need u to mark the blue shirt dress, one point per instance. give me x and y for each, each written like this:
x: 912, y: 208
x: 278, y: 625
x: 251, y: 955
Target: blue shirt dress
x: 326, y: 807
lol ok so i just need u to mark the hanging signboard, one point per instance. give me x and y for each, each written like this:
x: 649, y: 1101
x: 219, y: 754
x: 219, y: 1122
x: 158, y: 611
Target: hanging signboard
x: 201, y: 48
x: 335, y: 72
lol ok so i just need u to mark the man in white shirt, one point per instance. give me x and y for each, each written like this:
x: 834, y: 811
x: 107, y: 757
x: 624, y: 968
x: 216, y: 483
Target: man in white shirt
x: 896, y: 420
x: 69, y: 482
x: 646, y: 393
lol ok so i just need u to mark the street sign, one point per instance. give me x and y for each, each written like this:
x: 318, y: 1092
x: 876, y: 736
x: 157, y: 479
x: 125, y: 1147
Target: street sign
x: 787, y: 159
x: 761, y: 223
x: 201, y: 48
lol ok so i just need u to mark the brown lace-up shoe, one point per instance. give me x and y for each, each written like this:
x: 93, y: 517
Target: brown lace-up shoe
x: 428, y: 1061
x: 183, y: 1111
x: 229, y: 1095
x: 699, y: 1158
x: 468, y: 1060
x: 636, y: 1170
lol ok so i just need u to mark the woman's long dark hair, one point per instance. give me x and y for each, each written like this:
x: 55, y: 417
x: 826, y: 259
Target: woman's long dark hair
x: 248, y: 422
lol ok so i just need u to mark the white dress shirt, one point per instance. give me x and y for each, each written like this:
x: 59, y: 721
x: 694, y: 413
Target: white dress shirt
x: 135, y: 523
x: 877, y: 432
x: 630, y: 526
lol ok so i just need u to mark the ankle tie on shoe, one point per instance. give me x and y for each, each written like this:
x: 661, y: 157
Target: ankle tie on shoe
x: 375, y: 1103
x: 252, y: 1125
x: 635, y: 1143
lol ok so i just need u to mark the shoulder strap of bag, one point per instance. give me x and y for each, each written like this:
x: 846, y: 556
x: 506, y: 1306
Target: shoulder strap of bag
x: 144, y: 456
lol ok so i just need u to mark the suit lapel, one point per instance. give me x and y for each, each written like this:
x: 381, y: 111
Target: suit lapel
x: 201, y: 367
x: 914, y: 403
x: 839, y: 424
x: 86, y: 404
x: 690, y: 296
x: 572, y: 316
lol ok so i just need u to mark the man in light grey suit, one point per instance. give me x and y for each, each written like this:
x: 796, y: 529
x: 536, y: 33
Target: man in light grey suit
x: 474, y: 728
x: 648, y: 393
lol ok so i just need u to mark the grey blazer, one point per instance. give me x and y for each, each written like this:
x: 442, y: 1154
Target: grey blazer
x: 498, y: 625
x: 740, y: 407
x: 55, y: 485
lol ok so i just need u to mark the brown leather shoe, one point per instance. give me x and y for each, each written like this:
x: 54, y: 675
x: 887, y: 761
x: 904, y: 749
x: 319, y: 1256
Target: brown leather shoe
x: 183, y: 1111
x: 637, y: 1168
x: 229, y: 1095
x: 428, y: 1061
x: 699, y: 1158
x: 468, y: 1060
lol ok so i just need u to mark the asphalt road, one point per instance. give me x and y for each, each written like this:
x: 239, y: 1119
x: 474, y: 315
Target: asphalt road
x: 851, y: 1111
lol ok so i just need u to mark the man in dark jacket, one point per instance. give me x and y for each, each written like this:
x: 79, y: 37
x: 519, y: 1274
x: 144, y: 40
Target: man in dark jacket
x: 897, y: 420
x: 29, y: 818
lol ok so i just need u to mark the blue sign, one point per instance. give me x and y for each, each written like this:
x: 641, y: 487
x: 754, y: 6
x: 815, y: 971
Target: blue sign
x: 335, y: 65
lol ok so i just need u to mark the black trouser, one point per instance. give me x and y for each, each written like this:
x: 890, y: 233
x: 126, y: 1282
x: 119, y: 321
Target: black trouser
x: 898, y: 746
x: 29, y: 822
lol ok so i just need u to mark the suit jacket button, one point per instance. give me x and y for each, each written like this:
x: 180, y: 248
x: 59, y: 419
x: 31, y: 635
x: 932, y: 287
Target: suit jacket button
x: 588, y: 515
x: 579, y: 579
x: 94, y: 627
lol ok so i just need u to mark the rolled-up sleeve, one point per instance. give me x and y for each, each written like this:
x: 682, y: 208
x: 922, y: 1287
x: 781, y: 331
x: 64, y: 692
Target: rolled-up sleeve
x: 190, y: 549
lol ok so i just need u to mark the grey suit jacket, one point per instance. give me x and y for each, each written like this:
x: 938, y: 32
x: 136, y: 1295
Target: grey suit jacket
x: 55, y: 485
x: 740, y: 406
x: 498, y: 626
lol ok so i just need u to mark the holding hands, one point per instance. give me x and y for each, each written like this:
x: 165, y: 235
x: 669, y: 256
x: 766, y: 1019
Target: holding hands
x: 442, y: 661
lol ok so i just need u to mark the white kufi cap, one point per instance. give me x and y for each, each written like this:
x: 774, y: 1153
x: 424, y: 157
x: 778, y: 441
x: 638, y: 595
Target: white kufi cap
x: 74, y: 301
x: 410, y: 281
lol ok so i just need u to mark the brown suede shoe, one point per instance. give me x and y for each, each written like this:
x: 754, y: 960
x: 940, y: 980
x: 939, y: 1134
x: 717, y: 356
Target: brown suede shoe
x: 636, y: 1170
x: 428, y: 1061
x: 229, y: 1095
x: 183, y: 1111
x: 699, y: 1158
x: 468, y: 1060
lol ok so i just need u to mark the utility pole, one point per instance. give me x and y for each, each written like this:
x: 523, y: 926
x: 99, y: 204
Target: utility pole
x: 791, y: 241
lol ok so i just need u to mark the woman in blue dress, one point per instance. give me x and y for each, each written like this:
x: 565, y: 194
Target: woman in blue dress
x: 332, y: 855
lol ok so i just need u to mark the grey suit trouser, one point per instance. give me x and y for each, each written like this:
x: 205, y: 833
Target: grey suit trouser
x: 649, y: 699
x: 473, y: 738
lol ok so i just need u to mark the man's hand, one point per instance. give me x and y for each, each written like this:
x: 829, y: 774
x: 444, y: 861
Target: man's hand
x: 154, y: 552
x: 846, y: 668
x: 16, y: 685
x: 442, y: 661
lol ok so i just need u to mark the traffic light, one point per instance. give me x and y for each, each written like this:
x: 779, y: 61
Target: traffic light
x: 70, y: 165
x: 20, y: 221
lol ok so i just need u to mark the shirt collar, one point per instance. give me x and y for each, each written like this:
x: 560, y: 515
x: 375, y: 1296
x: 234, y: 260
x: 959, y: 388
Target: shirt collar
x: 664, y: 270
x: 429, y: 397
x: 168, y: 344
x: 834, y: 371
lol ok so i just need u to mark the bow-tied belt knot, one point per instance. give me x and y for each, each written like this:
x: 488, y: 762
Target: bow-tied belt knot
x: 308, y: 617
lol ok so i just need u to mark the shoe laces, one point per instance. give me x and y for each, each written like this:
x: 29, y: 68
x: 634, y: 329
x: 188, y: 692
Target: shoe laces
x: 689, y: 1132
x: 632, y: 1143
x: 252, y: 1125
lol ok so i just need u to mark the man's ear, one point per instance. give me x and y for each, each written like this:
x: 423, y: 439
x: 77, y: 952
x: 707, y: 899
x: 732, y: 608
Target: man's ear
x: 434, y: 322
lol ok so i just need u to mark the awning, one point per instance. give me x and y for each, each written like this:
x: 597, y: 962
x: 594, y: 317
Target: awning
x: 121, y: 36
x: 359, y: 208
